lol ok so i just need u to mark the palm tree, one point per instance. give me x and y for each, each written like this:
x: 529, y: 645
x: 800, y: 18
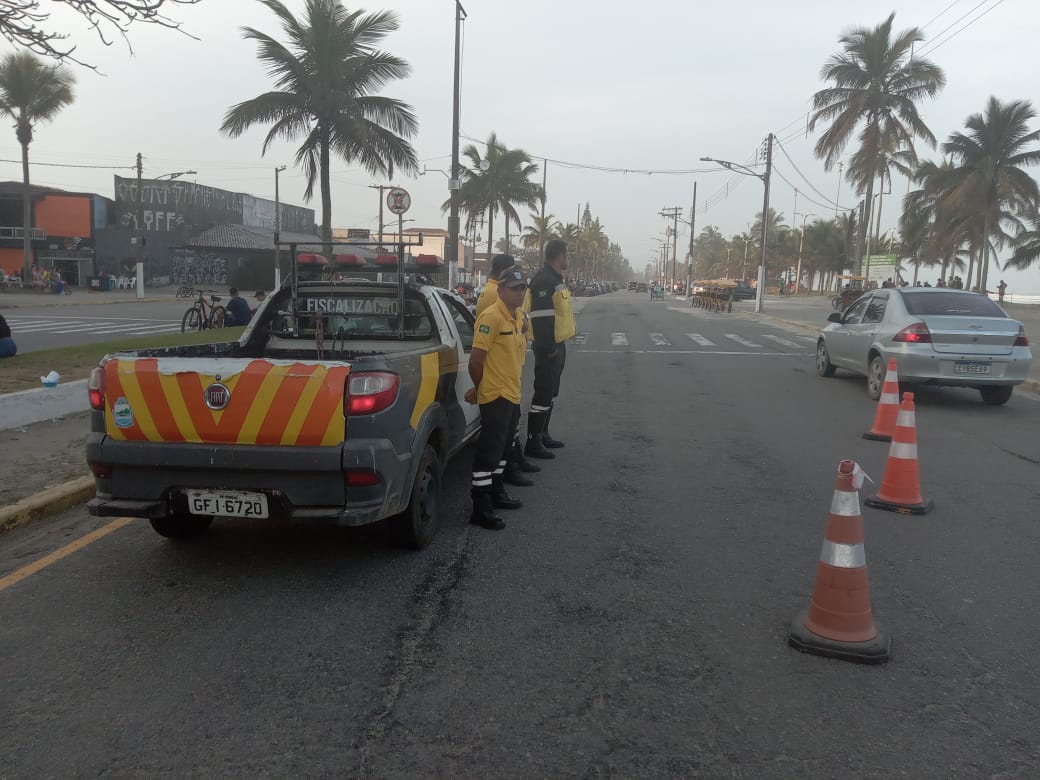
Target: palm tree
x: 988, y: 177
x: 1027, y: 246
x: 496, y: 181
x: 540, y: 230
x: 31, y: 92
x: 877, y: 83
x: 324, y: 79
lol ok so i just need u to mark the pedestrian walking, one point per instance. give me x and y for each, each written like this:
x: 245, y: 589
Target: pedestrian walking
x: 7, y: 346
x: 552, y: 323
x: 495, y: 365
x: 517, y: 465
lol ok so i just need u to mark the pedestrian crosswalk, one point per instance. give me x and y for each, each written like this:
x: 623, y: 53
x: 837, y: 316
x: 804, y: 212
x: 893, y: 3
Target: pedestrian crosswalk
x: 723, y: 343
x: 99, y: 326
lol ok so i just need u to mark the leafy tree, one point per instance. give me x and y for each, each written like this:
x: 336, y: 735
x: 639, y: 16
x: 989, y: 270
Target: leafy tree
x: 538, y: 230
x: 22, y: 22
x: 710, y: 250
x: 325, y: 78
x: 988, y: 179
x: 823, y: 251
x: 876, y: 86
x: 1027, y: 246
x: 31, y: 92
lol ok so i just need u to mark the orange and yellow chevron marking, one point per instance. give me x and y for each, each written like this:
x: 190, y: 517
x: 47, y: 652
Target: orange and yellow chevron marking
x: 431, y: 373
x: 296, y: 404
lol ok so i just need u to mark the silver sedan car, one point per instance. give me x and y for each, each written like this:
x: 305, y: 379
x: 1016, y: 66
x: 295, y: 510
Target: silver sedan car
x: 938, y: 336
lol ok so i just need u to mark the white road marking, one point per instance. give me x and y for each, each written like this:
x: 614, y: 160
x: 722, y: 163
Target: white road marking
x: 687, y: 352
x: 741, y: 340
x: 660, y: 340
x: 784, y: 342
x: 701, y: 340
x: 619, y: 339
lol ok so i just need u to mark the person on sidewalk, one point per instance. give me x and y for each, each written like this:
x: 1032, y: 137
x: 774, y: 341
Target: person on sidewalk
x: 552, y: 322
x: 7, y: 346
x: 1001, y: 289
x: 495, y: 366
x: 517, y: 464
x: 238, y: 312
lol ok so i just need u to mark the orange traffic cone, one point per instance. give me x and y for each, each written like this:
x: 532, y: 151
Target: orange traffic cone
x: 888, y: 406
x: 839, y: 623
x: 901, y: 486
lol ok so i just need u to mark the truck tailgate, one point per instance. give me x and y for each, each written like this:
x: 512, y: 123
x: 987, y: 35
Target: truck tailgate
x: 225, y: 401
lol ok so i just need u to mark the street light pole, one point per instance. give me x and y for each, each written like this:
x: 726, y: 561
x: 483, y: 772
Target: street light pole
x: 451, y: 253
x: 277, y: 230
x: 801, y: 243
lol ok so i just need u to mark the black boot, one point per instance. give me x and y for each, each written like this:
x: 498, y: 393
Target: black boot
x: 535, y: 448
x: 500, y: 499
x: 513, y: 476
x: 517, y: 457
x: 547, y: 439
x: 484, y: 513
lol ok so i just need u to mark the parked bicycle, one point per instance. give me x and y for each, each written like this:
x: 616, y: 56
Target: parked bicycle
x: 204, y: 314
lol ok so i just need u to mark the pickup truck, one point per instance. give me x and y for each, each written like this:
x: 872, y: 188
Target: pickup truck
x: 334, y: 405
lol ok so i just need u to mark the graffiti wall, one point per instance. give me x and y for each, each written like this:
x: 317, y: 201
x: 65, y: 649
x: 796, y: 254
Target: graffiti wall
x: 259, y: 212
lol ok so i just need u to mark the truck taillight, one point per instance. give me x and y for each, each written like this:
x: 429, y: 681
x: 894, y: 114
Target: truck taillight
x: 96, y: 389
x: 1023, y: 339
x: 369, y: 392
x: 100, y: 470
x: 361, y: 478
x: 917, y: 333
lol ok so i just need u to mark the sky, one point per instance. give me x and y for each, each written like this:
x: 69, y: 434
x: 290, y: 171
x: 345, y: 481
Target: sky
x: 653, y: 86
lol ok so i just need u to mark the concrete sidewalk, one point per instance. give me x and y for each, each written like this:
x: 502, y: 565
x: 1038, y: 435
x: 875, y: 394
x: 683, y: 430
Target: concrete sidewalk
x: 16, y: 299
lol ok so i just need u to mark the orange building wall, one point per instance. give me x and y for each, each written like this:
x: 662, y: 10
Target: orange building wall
x: 64, y: 215
x: 11, y: 260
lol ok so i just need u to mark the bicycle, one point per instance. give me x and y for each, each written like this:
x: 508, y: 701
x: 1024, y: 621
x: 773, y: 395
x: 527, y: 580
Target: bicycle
x: 185, y: 291
x: 203, y: 314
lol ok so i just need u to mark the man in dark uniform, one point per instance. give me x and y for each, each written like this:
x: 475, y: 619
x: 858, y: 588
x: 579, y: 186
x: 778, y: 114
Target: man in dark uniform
x: 495, y: 366
x: 552, y: 321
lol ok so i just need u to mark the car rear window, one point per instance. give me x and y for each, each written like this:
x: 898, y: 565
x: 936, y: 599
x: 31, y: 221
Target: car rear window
x: 360, y: 314
x: 956, y: 304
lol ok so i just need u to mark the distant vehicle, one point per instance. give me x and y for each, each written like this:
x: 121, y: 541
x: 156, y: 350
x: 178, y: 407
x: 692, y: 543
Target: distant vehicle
x: 938, y: 336
x: 631, y: 285
x: 743, y: 291
x: 641, y: 287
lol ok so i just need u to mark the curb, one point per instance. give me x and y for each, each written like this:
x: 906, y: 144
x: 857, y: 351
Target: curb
x: 49, y: 502
x: 80, y: 303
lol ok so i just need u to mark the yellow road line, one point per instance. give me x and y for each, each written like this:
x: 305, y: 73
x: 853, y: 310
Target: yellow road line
x: 27, y: 571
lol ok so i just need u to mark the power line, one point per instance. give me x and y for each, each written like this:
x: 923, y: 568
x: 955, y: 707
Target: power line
x: 947, y: 8
x: 802, y: 194
x: 69, y: 165
x: 833, y: 204
x: 929, y: 49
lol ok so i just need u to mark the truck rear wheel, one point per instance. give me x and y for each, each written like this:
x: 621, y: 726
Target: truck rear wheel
x: 416, y: 526
x: 181, y: 526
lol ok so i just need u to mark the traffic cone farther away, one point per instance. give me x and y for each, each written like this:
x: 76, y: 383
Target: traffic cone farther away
x: 901, y: 486
x: 888, y: 407
x: 839, y: 623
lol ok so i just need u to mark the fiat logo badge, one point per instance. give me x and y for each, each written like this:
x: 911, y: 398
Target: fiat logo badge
x: 217, y: 396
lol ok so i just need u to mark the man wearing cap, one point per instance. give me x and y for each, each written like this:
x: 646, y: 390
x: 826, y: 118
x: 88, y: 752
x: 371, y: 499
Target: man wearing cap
x: 517, y: 464
x: 495, y: 365
x: 552, y: 321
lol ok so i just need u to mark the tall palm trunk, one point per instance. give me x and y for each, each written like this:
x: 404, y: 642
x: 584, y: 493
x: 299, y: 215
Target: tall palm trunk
x: 491, y: 230
x: 984, y: 260
x: 326, y: 196
x: 864, y: 226
x: 971, y: 269
x: 26, y: 219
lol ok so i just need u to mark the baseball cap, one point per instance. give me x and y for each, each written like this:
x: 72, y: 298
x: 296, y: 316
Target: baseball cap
x: 499, y: 263
x: 512, y: 278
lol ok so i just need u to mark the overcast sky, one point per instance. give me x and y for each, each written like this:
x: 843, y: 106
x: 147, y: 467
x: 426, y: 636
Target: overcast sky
x: 654, y: 85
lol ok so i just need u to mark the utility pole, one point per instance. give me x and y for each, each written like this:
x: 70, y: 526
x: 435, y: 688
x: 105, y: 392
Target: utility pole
x: 693, y: 231
x: 382, y: 187
x: 451, y: 252
x: 672, y: 212
x: 760, y: 298
x: 841, y: 170
x: 541, y: 228
x: 277, y: 229
x: 139, y: 243
x: 801, y: 243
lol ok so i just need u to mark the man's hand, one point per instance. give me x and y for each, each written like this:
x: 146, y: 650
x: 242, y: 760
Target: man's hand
x: 471, y: 395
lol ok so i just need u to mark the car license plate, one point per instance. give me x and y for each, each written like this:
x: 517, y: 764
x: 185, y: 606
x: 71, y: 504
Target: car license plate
x: 963, y: 367
x: 227, y: 503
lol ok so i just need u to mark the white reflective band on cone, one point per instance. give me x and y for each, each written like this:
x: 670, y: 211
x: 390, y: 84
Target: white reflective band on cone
x: 843, y: 556
x: 903, y: 451
x: 906, y: 419
x: 845, y: 503
x: 890, y: 398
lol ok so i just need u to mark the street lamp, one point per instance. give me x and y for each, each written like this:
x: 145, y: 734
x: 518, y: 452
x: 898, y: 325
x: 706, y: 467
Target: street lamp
x: 801, y: 243
x: 175, y: 175
x: 745, y: 171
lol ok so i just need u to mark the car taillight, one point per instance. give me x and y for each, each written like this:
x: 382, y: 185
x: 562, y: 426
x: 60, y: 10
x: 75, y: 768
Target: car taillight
x: 917, y: 333
x: 361, y: 477
x: 369, y: 392
x: 100, y: 470
x: 1023, y: 339
x: 96, y: 389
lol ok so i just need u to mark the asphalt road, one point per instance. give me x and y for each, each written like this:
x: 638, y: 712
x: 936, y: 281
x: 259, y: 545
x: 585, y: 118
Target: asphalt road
x: 631, y: 620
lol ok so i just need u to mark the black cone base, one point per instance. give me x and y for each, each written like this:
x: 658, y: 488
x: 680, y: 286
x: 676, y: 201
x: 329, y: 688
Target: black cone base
x: 903, y: 509
x: 875, y: 651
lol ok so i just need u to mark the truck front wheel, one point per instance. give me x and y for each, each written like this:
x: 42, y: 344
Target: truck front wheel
x: 181, y: 526
x: 416, y: 526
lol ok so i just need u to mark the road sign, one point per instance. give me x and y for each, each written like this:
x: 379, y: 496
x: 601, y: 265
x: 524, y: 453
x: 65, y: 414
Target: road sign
x: 398, y: 200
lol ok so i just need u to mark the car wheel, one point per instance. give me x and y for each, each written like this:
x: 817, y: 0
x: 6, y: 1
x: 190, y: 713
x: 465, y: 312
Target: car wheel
x: 181, y: 526
x: 416, y: 526
x: 876, y: 377
x: 995, y: 396
x: 824, y: 367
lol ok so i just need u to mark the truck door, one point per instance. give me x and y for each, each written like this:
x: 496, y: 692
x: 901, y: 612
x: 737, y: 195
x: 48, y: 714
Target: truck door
x: 463, y: 319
